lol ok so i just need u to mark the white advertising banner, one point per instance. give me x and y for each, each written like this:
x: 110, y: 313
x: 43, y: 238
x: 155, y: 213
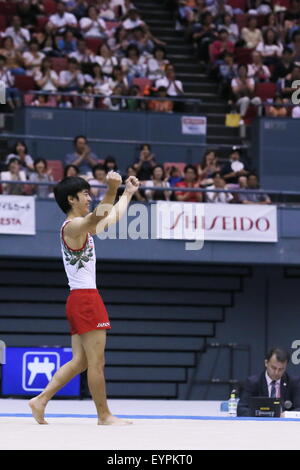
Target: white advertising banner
x: 194, y: 125
x: 17, y: 215
x: 220, y: 222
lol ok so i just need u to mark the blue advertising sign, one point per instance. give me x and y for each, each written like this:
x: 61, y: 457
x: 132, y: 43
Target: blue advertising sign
x: 27, y: 371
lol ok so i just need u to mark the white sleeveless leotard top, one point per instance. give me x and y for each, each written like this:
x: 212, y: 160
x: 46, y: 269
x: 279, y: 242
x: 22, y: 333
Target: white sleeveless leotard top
x: 80, y: 265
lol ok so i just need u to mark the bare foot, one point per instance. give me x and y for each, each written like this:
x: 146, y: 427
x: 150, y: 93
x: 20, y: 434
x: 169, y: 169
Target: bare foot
x: 38, y: 409
x: 111, y: 420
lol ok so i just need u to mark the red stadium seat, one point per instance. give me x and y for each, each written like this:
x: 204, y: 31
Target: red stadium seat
x: 41, y: 23
x: 265, y: 91
x: 241, y: 4
x: 3, y: 23
x: 59, y: 63
x: 50, y: 6
x: 24, y: 82
x: 8, y: 8
x: 243, y: 55
x: 241, y: 21
x: 179, y: 165
x: 56, y: 167
x: 143, y: 83
x: 93, y: 44
x: 250, y: 115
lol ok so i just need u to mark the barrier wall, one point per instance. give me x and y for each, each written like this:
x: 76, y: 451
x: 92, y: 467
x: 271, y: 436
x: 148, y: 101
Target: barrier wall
x: 132, y: 127
x: 49, y: 218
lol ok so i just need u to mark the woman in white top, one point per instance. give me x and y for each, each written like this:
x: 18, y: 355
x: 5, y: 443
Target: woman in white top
x: 20, y: 152
x: 257, y: 70
x: 100, y: 83
x: 106, y: 60
x: 134, y: 65
x: 47, y: 79
x: 33, y: 57
x: 270, y: 48
x: 92, y: 25
x: 158, y: 179
x: 157, y: 64
x: 251, y: 35
x: 14, y: 173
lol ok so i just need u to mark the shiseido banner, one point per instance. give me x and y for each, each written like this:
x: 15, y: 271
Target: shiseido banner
x: 220, y: 222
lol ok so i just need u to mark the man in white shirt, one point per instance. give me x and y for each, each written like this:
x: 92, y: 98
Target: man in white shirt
x: 92, y: 26
x: 133, y: 21
x: 83, y: 54
x: 61, y: 20
x: 221, y: 197
x: 71, y: 79
x: 174, y: 87
x: 20, y: 36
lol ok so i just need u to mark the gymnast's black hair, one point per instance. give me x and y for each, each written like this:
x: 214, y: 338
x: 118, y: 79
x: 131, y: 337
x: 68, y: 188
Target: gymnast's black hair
x: 69, y: 187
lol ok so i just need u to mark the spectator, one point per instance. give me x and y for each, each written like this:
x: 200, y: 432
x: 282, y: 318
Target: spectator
x: 132, y: 21
x: 115, y: 102
x: 43, y: 100
x: 28, y: 11
x: 295, y: 45
x: 157, y: 64
x: 285, y: 85
x: 79, y: 9
x: 82, y: 54
x: 285, y: 64
x: 67, y: 44
x: 106, y: 60
x: 72, y: 78
x: 33, y: 57
x: 142, y: 40
x: 218, y: 183
x: 82, y: 157
x: 99, y: 82
x: 272, y: 382
x: 110, y: 164
x: 47, y: 41
x: 234, y: 168
x: 208, y: 167
x: 105, y: 10
x: 47, y: 79
x: 231, y: 28
x: 87, y: 101
x: 174, y: 175
x: 257, y: 70
x: 99, y: 179
x: 138, y: 195
x: 133, y: 65
x: 277, y: 109
x: 158, y: 178
x: 20, y: 153
x: 13, y: 97
x: 219, y: 47
x: 9, y: 51
x: 174, y: 87
x: 41, y: 175
x: 71, y: 170
x: 92, y: 25
x: 205, y: 33
x: 118, y: 78
x: 161, y: 106
x: 227, y: 71
x: 14, y: 173
x: 144, y: 163
x: 19, y: 35
x: 269, y: 47
x: 243, y: 91
x: 251, y: 34
x: 61, y: 20
x: 254, y: 198
x: 190, y: 181
x: 132, y: 103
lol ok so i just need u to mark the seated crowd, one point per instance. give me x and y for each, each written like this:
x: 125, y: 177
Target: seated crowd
x: 93, y: 48
x: 217, y: 180
x: 251, y: 46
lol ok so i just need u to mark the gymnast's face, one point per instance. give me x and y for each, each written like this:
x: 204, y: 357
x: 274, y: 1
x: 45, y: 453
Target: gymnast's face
x: 275, y: 368
x: 81, y: 203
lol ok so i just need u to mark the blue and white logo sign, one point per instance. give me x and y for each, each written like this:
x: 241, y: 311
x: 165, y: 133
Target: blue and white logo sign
x: 28, y: 371
x: 38, y: 369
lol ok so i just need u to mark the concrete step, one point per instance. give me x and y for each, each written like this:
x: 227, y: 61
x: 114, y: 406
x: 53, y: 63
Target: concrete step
x: 199, y: 87
x: 222, y: 140
x: 222, y: 131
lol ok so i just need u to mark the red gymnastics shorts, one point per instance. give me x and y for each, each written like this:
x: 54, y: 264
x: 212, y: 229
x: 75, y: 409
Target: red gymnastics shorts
x: 86, y: 311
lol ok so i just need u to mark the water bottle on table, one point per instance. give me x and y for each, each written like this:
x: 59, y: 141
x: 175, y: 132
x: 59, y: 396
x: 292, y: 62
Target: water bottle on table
x: 232, y: 404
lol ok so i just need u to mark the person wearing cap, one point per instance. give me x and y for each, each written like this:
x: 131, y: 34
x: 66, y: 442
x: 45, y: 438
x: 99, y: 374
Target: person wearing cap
x: 234, y: 168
